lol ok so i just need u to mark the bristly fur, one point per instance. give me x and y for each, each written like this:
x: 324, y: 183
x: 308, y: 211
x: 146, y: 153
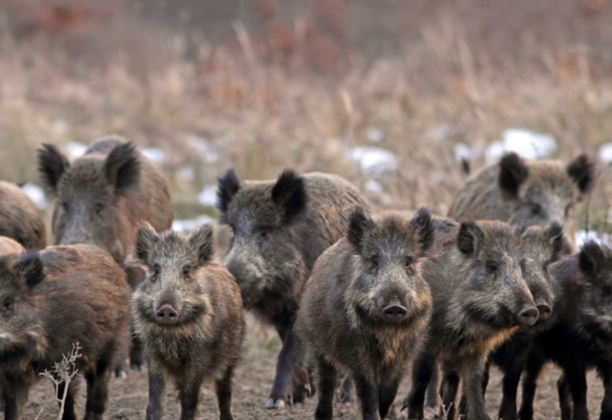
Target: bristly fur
x: 229, y: 185
x: 123, y: 168
x: 591, y: 258
x: 513, y: 172
x: 359, y: 224
x: 31, y: 268
x: 145, y: 238
x: 422, y: 225
x: 203, y: 241
x: 470, y: 238
x: 554, y: 232
x: 51, y: 165
x: 289, y: 192
x: 582, y: 171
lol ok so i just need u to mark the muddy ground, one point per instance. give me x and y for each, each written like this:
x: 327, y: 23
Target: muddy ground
x: 128, y: 397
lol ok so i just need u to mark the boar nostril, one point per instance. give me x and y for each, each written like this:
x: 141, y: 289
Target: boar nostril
x: 528, y: 316
x: 166, y: 315
x: 395, y: 312
x: 545, y: 312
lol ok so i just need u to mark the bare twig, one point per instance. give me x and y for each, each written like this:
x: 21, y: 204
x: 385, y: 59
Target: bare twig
x: 63, y: 373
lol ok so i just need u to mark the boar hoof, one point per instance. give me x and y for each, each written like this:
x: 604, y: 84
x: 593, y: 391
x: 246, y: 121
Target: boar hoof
x: 138, y: 367
x: 274, y: 404
x: 121, y: 374
x: 297, y: 405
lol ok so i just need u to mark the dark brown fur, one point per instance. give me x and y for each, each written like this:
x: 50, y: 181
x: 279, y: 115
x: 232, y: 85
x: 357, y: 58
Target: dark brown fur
x: 343, y: 317
x: 20, y: 219
x: 205, y: 339
x: 280, y: 229
x: 50, y: 300
x: 526, y: 192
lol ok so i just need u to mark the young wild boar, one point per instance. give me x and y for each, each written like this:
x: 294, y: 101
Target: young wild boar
x: 581, y: 336
x: 100, y: 198
x: 20, y: 219
x: 280, y: 229
x: 479, y: 300
x: 188, y: 313
x: 364, y: 307
x: 541, y: 247
x: 518, y: 191
x: 50, y: 300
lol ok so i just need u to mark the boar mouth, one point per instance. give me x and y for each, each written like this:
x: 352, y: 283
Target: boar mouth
x: 381, y: 320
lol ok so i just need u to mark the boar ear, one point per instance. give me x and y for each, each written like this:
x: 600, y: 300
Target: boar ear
x: 582, y: 171
x: 554, y: 238
x: 122, y: 168
x: 289, y: 192
x: 146, y: 237
x: 30, y: 268
x: 513, y: 171
x: 359, y: 224
x: 591, y: 258
x: 422, y: 225
x: 228, y: 187
x: 51, y: 165
x: 470, y: 238
x: 203, y: 240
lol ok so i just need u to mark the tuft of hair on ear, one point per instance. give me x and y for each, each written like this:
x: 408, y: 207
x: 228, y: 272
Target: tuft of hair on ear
x: 229, y: 185
x: 591, y: 258
x: 470, y: 238
x: 555, y: 239
x: 582, y: 171
x: 360, y: 223
x: 30, y: 268
x: 422, y: 225
x: 289, y: 193
x: 513, y: 171
x: 122, y: 168
x: 203, y: 240
x: 146, y: 237
x: 51, y: 165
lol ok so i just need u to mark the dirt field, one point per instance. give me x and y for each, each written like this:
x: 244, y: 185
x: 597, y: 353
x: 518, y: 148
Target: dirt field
x: 128, y: 397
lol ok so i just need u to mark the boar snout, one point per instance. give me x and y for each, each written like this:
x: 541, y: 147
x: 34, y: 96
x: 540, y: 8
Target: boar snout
x: 395, y: 311
x: 528, y: 316
x: 544, y: 310
x: 166, y: 315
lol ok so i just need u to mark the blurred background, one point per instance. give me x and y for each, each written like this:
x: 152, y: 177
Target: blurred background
x: 391, y: 94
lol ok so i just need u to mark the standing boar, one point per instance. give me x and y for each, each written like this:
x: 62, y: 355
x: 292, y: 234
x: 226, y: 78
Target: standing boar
x: 100, y: 198
x: 188, y: 313
x: 479, y: 300
x: 280, y: 229
x: 50, y: 300
x: 364, y: 308
x: 20, y: 219
x: 541, y: 247
x: 526, y: 192
x: 581, y: 335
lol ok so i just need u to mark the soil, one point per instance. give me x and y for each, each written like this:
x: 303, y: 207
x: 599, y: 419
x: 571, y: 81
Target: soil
x: 128, y: 397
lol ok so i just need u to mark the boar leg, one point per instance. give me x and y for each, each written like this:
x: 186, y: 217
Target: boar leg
x: 606, y: 403
x: 97, y: 392
x: 388, y: 390
x: 224, y: 394
x: 421, y: 373
x: 15, y: 398
x: 300, y: 386
x: 448, y: 391
x: 189, y: 393
x: 472, y: 375
x: 512, y: 377
x: 327, y: 387
x: 157, y: 385
x: 284, y: 365
x: 431, y: 398
x: 367, y: 391
x: 136, y: 354
x: 576, y: 376
x: 565, y: 398
x: 534, y: 366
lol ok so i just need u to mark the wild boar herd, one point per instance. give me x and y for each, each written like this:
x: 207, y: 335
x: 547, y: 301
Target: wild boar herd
x: 378, y: 296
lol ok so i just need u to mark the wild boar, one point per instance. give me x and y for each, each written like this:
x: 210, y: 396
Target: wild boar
x: 20, y: 219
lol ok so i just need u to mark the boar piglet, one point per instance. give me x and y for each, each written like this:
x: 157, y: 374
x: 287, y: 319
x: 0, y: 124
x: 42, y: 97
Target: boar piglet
x: 365, y: 306
x: 51, y: 300
x: 581, y: 337
x: 541, y: 247
x: 188, y: 314
x: 520, y: 191
x: 479, y: 300
x: 280, y: 228
x: 20, y: 219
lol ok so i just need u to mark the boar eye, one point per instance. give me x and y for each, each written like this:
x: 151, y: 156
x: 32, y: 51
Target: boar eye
x: 607, y: 291
x: 65, y: 206
x: 408, y: 262
x: 492, y: 267
x: 98, y: 208
x: 186, y: 271
x: 375, y: 261
x: 536, y: 209
x: 264, y: 234
x: 156, y: 271
x: 6, y: 305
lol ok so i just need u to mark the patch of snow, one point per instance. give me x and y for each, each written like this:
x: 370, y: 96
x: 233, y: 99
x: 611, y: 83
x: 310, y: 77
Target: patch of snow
x: 189, y: 225
x: 155, y: 155
x: 74, y: 149
x: 36, y: 194
x: 440, y: 133
x: 524, y: 143
x: 463, y: 152
x: 375, y: 135
x: 372, y: 160
x: 61, y: 127
x: 208, y: 196
x: 605, y: 153
x: 373, y: 187
x: 582, y: 236
x: 204, y: 149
